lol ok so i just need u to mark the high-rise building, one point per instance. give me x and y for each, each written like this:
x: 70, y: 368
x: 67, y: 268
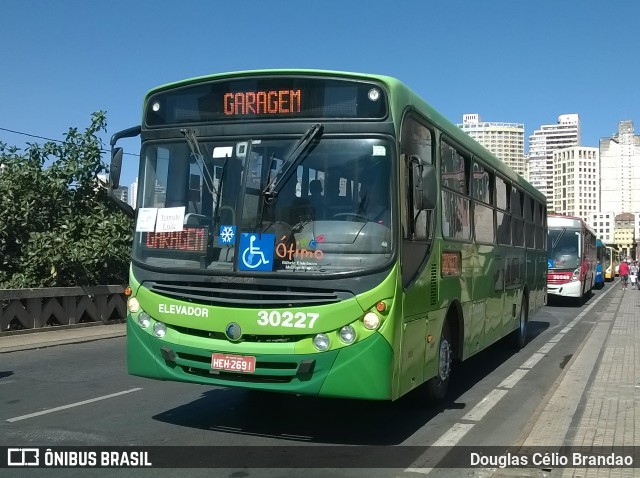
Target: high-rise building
x: 576, y: 181
x: 542, y: 143
x: 504, y: 140
x: 620, y: 170
x: 604, y: 225
x: 134, y: 193
x: 121, y: 193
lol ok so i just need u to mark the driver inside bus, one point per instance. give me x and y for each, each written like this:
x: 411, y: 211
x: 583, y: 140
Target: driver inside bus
x: 373, y: 202
x: 569, y: 250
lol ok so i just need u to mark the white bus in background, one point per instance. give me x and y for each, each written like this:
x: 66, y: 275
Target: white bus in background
x: 571, y: 248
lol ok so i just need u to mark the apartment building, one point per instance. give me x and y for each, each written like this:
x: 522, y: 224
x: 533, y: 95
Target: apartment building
x: 504, y: 140
x: 576, y: 181
x: 543, y: 143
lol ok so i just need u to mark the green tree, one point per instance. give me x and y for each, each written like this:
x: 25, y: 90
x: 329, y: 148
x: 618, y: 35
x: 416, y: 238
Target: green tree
x: 57, y: 226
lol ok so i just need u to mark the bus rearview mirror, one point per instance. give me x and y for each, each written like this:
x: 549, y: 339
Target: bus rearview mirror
x: 425, y: 187
x: 115, y: 168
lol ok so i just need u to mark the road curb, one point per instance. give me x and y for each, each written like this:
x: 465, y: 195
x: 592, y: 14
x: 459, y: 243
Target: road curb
x: 52, y: 338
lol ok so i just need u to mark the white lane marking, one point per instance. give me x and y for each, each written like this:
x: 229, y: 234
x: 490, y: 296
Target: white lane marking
x: 546, y: 348
x: 424, y: 471
x: 533, y: 360
x: 513, y: 379
x: 454, y: 435
x: 478, y: 412
x: 71, y: 405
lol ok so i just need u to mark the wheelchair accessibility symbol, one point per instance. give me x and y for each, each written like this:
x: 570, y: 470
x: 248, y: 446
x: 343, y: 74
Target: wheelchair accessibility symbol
x: 256, y: 252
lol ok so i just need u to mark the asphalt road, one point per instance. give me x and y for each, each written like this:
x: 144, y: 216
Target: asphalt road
x: 81, y: 395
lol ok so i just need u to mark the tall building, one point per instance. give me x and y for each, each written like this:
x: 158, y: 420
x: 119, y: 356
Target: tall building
x: 576, y: 181
x: 133, y: 197
x: 504, y: 140
x: 620, y: 170
x: 121, y: 193
x: 604, y: 225
x: 542, y: 143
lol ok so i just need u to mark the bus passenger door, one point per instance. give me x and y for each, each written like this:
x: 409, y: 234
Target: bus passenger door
x: 417, y: 275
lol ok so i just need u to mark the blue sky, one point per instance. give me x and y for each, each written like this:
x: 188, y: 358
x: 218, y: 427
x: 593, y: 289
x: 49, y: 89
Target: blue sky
x: 508, y: 60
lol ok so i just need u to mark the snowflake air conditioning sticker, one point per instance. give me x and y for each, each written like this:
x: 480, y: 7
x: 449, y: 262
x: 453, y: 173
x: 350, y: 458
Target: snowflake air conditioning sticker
x: 228, y: 235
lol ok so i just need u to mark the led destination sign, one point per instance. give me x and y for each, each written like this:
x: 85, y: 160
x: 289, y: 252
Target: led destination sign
x: 190, y: 239
x: 262, y: 102
x: 267, y: 98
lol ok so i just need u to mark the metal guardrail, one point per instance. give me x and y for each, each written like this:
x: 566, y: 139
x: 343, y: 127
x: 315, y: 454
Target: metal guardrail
x: 48, y: 307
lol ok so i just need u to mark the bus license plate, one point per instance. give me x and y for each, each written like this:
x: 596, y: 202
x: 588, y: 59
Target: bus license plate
x: 233, y: 363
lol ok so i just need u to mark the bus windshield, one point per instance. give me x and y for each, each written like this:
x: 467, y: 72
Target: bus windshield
x: 331, y: 213
x: 563, y: 246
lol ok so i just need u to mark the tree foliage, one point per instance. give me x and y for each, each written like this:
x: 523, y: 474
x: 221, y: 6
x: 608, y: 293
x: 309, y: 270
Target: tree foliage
x: 57, y: 226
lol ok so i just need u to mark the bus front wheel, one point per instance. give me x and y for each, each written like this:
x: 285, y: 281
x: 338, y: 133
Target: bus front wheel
x: 437, y: 386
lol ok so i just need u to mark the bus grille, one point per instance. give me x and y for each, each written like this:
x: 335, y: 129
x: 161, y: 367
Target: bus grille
x: 208, y: 334
x: 266, y: 372
x: 434, y: 284
x: 246, y: 295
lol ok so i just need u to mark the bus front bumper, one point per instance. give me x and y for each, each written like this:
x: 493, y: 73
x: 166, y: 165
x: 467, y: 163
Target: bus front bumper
x: 362, y: 370
x: 568, y: 289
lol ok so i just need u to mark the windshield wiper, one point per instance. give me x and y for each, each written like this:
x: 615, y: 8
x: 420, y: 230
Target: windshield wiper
x: 216, y: 208
x: 557, y: 241
x: 272, y: 159
x: 194, y: 146
x: 292, y: 162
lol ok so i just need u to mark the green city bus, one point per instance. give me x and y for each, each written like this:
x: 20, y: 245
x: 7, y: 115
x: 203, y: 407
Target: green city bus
x: 321, y: 233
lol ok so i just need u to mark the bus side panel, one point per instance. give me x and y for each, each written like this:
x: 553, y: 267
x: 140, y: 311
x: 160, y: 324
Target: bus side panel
x: 458, y: 287
x: 487, y: 280
x: 352, y: 376
x: 413, y: 351
x: 496, y: 305
x: 515, y: 273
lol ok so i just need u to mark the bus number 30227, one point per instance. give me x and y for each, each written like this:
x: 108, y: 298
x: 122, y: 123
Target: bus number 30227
x: 298, y: 320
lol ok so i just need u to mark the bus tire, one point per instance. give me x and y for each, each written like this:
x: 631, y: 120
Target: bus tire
x: 437, y: 386
x: 520, y: 334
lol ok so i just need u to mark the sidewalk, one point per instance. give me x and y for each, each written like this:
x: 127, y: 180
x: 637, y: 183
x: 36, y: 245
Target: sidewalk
x: 65, y: 335
x: 597, y: 401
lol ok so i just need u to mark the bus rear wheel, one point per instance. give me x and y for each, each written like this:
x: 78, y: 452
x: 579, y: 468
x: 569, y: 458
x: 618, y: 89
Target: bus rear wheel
x: 437, y: 386
x: 520, y: 334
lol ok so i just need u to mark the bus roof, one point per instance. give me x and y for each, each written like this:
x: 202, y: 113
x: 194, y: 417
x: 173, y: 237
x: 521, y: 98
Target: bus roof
x: 554, y: 220
x: 401, y: 98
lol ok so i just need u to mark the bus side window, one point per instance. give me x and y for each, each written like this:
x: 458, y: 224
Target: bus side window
x: 417, y: 225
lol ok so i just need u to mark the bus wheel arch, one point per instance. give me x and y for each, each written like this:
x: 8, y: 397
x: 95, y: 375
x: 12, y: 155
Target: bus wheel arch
x: 448, y: 351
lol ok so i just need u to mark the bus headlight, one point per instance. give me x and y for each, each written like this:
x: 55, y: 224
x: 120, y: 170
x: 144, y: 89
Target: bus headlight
x: 576, y: 275
x: 347, y: 334
x: 144, y: 320
x: 133, y: 305
x: 159, y: 329
x: 321, y: 342
x: 371, y: 321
